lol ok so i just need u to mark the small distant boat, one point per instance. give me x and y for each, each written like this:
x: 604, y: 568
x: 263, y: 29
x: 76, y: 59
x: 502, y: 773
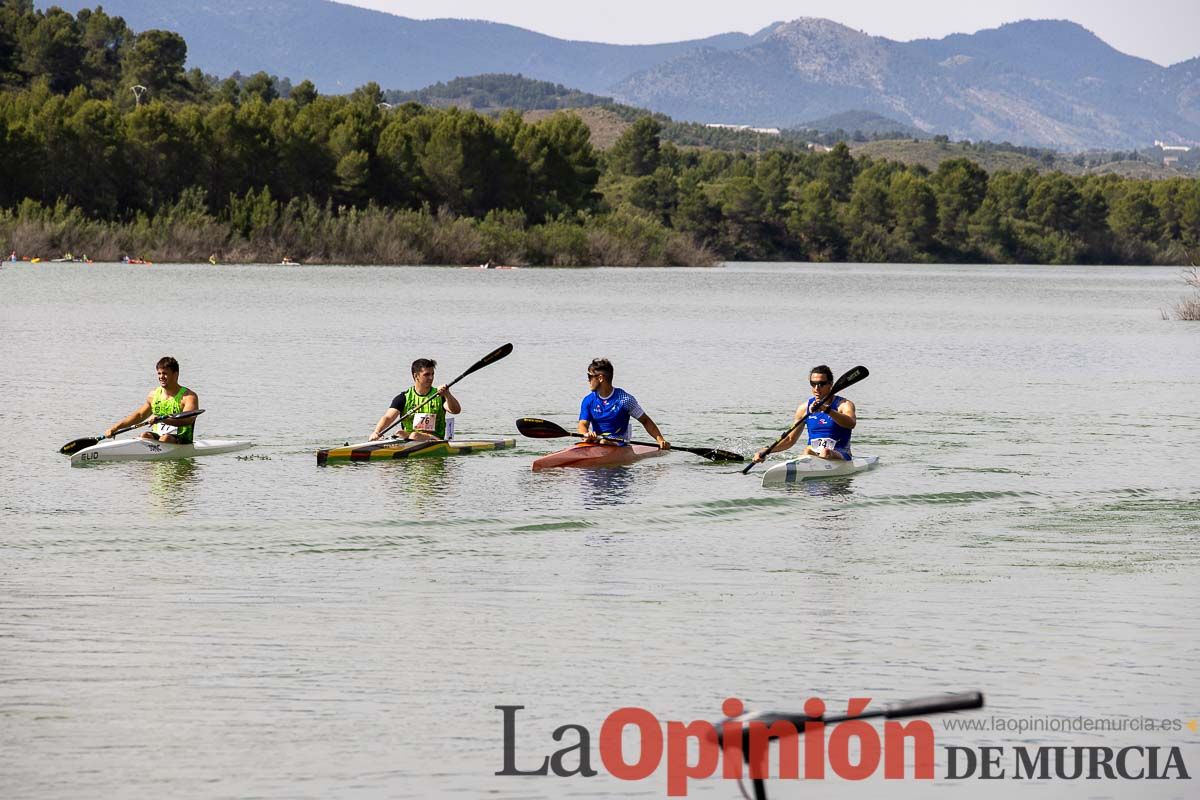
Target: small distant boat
x: 490, y: 265
x: 287, y: 262
x: 128, y: 260
x: 70, y: 259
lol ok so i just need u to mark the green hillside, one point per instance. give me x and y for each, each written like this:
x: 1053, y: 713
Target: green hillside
x: 995, y: 158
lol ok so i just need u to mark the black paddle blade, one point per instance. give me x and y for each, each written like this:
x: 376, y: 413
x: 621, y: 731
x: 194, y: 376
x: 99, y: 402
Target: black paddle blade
x: 937, y: 704
x: 714, y: 455
x: 73, y: 447
x: 851, y: 377
x: 491, y: 358
x: 536, y: 428
x: 497, y: 354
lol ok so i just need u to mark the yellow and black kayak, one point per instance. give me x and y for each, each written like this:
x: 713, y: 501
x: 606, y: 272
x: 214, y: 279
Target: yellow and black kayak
x: 391, y: 449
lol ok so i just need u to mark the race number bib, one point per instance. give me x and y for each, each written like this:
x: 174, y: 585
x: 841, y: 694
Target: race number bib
x: 817, y: 444
x: 425, y: 422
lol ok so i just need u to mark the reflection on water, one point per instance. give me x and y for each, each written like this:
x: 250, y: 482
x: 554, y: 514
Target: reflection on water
x: 172, y: 485
x: 826, y: 488
x: 413, y: 485
x: 607, y: 486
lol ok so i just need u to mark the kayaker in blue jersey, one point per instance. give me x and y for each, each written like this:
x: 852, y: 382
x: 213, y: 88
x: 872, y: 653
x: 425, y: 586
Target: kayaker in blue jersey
x: 168, y: 398
x: 830, y: 421
x: 423, y: 407
x: 606, y: 411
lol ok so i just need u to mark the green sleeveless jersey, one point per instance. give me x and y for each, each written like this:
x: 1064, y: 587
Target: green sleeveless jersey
x: 432, y: 416
x: 162, y: 404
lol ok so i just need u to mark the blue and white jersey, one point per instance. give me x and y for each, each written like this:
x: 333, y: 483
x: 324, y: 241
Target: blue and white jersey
x: 609, y: 416
x: 822, y: 429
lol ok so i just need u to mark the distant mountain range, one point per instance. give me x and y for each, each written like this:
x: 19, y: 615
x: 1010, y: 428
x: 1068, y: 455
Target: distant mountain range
x: 1046, y: 83
x: 1049, y: 83
x: 340, y: 47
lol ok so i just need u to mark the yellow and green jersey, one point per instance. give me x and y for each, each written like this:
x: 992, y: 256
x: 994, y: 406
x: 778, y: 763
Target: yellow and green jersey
x: 163, y: 404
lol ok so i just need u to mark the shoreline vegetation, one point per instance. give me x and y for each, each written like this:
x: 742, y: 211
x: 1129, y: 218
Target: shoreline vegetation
x: 1188, y: 309
x: 302, y: 230
x: 110, y: 148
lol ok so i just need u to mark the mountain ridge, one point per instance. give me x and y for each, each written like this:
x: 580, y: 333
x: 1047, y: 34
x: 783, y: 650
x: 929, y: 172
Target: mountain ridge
x: 1007, y: 83
x: 309, y: 39
x: 1032, y: 82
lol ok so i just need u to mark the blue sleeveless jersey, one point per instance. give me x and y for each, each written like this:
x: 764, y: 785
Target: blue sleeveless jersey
x: 822, y: 426
x: 609, y: 416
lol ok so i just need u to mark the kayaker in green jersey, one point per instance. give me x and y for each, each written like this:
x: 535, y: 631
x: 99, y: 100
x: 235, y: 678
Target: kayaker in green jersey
x: 168, y: 398
x: 422, y: 406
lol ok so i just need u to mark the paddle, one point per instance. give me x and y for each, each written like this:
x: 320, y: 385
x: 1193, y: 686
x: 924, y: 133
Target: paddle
x: 768, y: 722
x: 544, y: 429
x: 74, y: 446
x: 491, y: 358
x: 852, y: 377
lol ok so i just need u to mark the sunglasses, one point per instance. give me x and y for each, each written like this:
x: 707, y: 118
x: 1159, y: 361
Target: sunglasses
x: 593, y: 375
x: 815, y: 384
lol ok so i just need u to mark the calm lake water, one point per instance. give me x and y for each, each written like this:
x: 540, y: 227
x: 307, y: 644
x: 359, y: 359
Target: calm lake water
x: 262, y: 627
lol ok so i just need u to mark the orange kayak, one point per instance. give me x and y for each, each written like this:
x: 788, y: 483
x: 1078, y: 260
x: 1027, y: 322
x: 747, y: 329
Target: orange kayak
x: 586, y: 454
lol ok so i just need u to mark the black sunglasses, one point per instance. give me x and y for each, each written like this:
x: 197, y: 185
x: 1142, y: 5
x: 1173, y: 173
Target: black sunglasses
x: 815, y: 384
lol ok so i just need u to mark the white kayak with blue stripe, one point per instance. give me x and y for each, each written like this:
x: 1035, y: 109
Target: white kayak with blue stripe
x: 808, y: 467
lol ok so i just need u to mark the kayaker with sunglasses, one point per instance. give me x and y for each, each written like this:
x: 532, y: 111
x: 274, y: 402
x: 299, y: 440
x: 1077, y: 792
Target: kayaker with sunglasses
x: 605, y: 413
x: 424, y: 407
x: 830, y: 421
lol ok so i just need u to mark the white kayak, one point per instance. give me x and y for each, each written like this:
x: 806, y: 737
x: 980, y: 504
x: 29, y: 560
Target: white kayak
x: 150, y: 450
x: 806, y: 467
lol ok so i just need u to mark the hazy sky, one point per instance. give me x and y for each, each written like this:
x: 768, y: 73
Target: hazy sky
x: 1164, y: 31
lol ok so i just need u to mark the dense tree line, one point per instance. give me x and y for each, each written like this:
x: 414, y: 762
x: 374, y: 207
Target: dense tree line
x: 194, y: 165
x: 112, y: 162
x: 832, y: 207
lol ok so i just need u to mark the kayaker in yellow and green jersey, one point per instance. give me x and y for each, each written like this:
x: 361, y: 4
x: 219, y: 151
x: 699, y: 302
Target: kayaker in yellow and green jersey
x: 423, y: 407
x: 166, y: 399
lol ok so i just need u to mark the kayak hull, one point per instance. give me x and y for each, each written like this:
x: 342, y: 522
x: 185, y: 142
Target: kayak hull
x: 809, y: 467
x: 596, y: 455
x: 393, y: 449
x: 150, y: 450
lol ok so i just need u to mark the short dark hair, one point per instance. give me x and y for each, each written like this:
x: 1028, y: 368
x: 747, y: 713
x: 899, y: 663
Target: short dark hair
x: 166, y: 362
x: 601, y: 365
x: 821, y: 369
x: 422, y: 363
